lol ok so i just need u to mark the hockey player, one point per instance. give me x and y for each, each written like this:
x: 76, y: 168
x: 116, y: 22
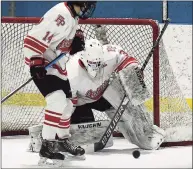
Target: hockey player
x: 89, y: 72
x: 82, y: 116
x: 52, y: 36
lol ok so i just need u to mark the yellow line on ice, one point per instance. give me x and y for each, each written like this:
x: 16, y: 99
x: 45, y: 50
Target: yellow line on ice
x: 35, y: 99
x: 25, y: 99
x: 171, y: 104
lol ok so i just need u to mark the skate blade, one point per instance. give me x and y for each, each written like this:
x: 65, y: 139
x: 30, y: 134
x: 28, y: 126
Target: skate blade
x: 50, y: 162
x: 71, y: 157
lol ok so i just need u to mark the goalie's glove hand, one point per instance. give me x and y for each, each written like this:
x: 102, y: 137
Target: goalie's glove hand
x: 37, y: 67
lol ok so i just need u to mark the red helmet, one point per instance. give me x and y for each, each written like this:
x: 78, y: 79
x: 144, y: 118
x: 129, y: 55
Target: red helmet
x: 87, y: 8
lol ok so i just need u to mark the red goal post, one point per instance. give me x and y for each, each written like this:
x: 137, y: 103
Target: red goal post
x: 134, y: 35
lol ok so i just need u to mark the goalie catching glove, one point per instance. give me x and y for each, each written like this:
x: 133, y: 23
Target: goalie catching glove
x: 37, y: 67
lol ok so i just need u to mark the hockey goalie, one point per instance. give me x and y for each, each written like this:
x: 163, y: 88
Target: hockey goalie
x: 89, y: 72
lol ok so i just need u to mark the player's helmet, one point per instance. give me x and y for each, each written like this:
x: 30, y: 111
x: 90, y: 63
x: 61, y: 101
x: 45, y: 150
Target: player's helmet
x: 87, y: 8
x: 92, y: 57
x: 78, y: 43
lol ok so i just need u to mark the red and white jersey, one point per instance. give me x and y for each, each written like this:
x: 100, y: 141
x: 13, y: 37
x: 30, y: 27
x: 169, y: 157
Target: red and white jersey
x: 89, y: 89
x: 52, y: 36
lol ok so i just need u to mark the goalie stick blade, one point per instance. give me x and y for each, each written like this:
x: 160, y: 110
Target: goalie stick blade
x: 98, y: 146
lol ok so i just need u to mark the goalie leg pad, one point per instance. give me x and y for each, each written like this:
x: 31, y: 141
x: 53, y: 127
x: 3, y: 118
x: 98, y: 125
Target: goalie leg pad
x: 88, y: 133
x: 35, y: 133
x: 135, y: 123
x: 81, y: 134
x: 137, y: 127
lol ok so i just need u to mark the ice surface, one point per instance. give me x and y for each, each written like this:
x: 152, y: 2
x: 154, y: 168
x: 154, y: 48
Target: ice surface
x: 14, y: 155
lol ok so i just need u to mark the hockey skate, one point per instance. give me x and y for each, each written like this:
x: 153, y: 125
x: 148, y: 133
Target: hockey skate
x: 47, y: 154
x: 70, y: 150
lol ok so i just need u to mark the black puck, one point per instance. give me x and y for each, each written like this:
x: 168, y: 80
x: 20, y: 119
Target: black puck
x: 136, y: 154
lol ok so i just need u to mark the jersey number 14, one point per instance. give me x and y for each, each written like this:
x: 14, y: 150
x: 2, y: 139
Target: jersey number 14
x: 48, y: 37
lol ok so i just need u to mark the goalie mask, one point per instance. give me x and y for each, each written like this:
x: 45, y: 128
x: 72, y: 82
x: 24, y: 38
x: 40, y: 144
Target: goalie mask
x: 92, y: 57
x: 87, y: 8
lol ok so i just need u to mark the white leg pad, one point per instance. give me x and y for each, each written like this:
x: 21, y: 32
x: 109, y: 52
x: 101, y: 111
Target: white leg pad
x: 137, y: 127
x: 81, y: 134
x: 35, y: 133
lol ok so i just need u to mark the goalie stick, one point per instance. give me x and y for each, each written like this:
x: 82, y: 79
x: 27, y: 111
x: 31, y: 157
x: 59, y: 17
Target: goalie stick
x: 30, y: 79
x: 125, y: 101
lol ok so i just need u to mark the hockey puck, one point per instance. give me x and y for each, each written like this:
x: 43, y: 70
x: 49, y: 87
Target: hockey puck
x: 136, y: 154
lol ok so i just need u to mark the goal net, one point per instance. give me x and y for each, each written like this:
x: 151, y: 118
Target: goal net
x: 167, y: 105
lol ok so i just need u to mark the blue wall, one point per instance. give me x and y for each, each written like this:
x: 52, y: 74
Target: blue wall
x: 129, y: 10
x: 179, y: 12
x: 4, y: 8
x: 33, y: 8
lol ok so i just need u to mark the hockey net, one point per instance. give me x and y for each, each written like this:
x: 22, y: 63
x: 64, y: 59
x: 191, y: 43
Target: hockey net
x: 168, y: 106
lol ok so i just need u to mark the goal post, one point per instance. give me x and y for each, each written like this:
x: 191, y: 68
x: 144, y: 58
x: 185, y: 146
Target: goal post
x: 167, y: 106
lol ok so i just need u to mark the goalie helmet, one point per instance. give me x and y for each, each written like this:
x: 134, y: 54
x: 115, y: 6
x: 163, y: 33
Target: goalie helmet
x: 92, y: 57
x: 87, y: 8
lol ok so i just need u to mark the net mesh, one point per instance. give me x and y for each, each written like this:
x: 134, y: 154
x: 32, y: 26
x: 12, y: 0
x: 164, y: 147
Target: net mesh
x: 136, y: 37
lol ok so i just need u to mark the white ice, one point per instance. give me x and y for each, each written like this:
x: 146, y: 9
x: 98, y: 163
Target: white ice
x: 14, y: 155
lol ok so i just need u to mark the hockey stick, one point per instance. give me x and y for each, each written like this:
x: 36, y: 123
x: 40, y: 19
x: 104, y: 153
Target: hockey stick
x: 125, y: 101
x: 30, y: 79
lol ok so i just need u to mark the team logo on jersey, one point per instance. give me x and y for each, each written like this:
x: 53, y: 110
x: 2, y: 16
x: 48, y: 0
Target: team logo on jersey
x: 96, y: 94
x: 60, y: 20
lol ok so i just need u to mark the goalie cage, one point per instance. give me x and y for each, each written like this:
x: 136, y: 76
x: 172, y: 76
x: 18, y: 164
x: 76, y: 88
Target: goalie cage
x: 167, y: 106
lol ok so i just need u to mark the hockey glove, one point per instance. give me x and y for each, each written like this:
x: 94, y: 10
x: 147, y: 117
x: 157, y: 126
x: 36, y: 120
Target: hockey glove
x: 78, y: 43
x: 37, y: 67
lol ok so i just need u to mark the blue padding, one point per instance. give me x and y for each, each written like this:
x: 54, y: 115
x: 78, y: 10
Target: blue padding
x: 108, y: 9
x: 180, y: 12
x: 129, y: 9
x: 33, y: 8
x: 4, y: 8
